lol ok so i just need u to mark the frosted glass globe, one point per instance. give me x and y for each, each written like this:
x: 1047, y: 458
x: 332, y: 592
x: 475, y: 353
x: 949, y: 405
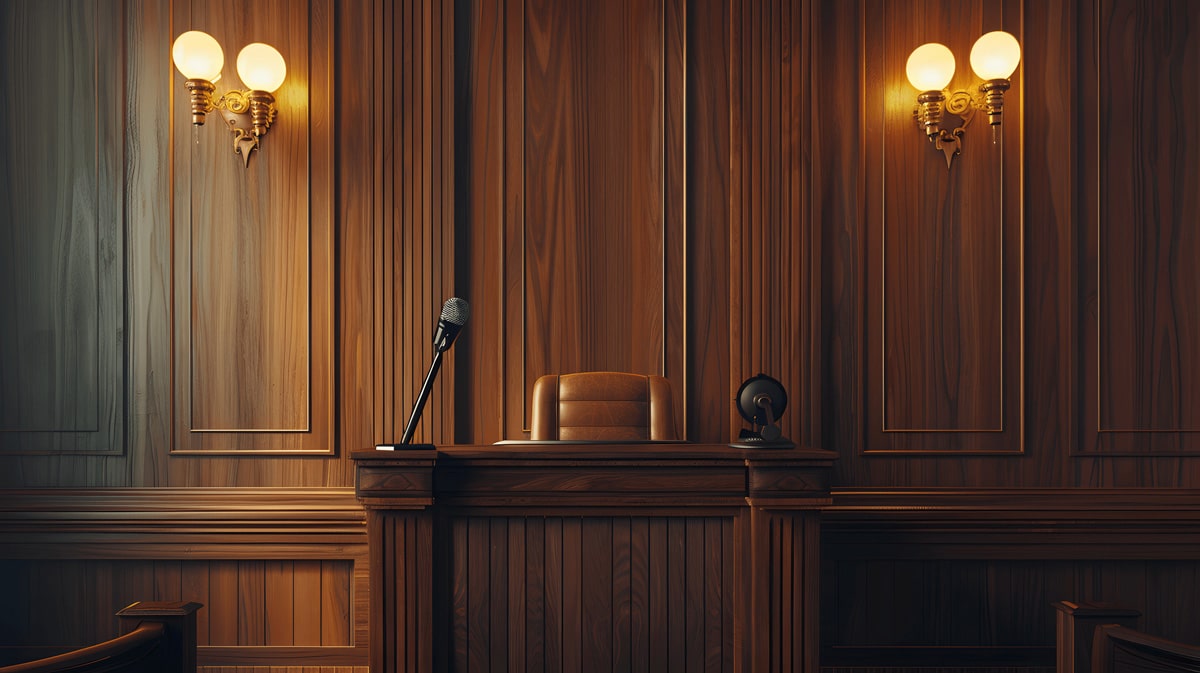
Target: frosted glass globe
x: 995, y: 55
x: 930, y: 67
x: 261, y: 67
x: 198, y: 56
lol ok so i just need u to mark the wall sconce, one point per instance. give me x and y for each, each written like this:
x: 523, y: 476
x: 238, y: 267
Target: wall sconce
x: 248, y: 114
x: 930, y: 67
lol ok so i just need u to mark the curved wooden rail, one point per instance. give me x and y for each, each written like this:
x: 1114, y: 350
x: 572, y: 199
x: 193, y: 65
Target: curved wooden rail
x: 1119, y: 649
x: 130, y: 652
x: 157, y: 638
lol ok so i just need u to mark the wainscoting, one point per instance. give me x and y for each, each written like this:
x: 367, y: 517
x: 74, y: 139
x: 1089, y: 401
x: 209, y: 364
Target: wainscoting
x: 282, y: 573
x: 948, y: 578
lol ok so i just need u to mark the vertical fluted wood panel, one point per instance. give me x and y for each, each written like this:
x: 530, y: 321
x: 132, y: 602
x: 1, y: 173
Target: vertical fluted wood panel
x: 773, y: 262
x: 1142, y: 385
x: 784, y: 591
x: 619, y: 594
x: 63, y: 365
x: 401, y: 594
x: 416, y: 254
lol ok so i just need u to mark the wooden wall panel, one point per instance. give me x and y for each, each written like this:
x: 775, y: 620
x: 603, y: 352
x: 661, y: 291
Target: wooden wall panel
x: 582, y: 571
x: 254, y: 263
x: 944, y: 256
x: 1142, y: 377
x: 62, y: 260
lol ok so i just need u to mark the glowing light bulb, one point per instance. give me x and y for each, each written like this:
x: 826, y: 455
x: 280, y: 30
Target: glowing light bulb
x: 261, y: 67
x: 930, y: 67
x: 995, y: 55
x: 198, y: 56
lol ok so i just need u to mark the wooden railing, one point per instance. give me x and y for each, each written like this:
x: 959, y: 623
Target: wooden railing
x: 157, y: 637
x: 1097, y: 638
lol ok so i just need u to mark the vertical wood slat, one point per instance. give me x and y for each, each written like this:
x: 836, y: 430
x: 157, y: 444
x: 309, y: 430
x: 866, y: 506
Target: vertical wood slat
x: 772, y: 258
x: 280, y: 602
x: 306, y: 587
x: 624, y: 593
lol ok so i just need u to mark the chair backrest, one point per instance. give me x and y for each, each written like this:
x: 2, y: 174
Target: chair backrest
x: 603, y: 406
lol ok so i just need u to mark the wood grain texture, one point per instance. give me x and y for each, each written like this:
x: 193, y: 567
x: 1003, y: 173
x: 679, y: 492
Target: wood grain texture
x: 594, y: 170
x: 706, y: 417
x: 1142, y: 378
x: 62, y: 256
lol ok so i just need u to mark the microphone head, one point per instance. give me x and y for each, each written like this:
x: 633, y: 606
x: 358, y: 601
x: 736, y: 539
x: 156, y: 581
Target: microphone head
x: 456, y: 311
x: 454, y: 315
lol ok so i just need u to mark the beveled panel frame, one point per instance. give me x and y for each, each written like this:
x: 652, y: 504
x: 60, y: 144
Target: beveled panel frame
x: 305, y: 128
x: 893, y: 143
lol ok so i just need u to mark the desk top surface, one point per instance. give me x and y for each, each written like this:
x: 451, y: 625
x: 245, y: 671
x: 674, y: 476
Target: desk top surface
x: 594, y: 451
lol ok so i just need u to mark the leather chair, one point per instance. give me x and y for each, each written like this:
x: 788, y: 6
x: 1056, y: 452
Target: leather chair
x: 603, y: 406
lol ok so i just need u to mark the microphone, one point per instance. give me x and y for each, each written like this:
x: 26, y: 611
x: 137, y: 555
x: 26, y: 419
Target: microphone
x: 454, y: 315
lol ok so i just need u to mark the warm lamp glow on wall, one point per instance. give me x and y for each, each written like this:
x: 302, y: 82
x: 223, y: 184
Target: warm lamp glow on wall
x: 930, y: 68
x: 249, y: 114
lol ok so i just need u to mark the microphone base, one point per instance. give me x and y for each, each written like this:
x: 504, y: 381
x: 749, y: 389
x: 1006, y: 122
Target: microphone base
x: 405, y: 447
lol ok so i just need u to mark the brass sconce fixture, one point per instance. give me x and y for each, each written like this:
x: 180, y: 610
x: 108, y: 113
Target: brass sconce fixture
x: 930, y: 67
x: 249, y: 114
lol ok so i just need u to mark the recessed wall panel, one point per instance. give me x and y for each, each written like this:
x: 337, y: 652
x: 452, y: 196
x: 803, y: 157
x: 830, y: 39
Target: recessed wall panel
x: 944, y: 254
x: 1143, y: 392
x: 253, y: 264
x: 62, y: 303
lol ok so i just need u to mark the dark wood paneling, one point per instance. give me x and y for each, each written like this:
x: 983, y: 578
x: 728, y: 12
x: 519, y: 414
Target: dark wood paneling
x: 951, y: 578
x: 583, y: 578
x: 1142, y: 377
x: 253, y: 263
x: 62, y: 210
x: 282, y: 575
x: 706, y: 417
